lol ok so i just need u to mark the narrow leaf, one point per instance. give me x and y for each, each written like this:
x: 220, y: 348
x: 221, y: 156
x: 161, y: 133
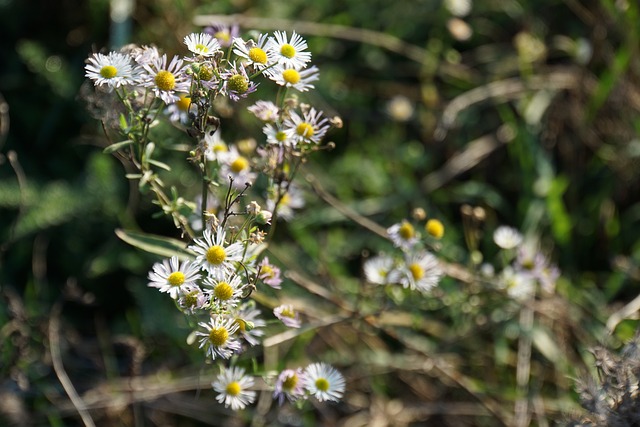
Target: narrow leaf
x: 118, y: 145
x: 159, y: 245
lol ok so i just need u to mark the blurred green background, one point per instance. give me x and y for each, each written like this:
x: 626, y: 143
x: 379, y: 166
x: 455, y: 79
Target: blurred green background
x: 526, y: 109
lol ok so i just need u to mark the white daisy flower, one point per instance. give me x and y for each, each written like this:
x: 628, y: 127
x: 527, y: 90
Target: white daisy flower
x: 289, y: 385
x: 237, y: 83
x: 324, y: 382
x: 292, y: 199
x: 420, y: 271
x: 215, y: 148
x: 249, y: 323
x: 403, y: 235
x: 290, y: 53
x: 226, y: 288
x: 114, y: 70
x: 519, y: 285
x: 232, y: 385
x: 507, y: 237
x: 266, y: 111
x: 297, y: 79
x: 377, y: 269
x: 192, y: 299
x: 260, y: 53
x: 223, y: 33
x: 269, y: 274
x: 202, y: 44
x: 166, y: 81
x: 238, y: 168
x: 213, y: 254
x: 278, y: 135
x: 145, y: 54
x: 287, y: 315
x: 311, y: 127
x: 173, y: 277
x: 178, y: 112
x: 218, y: 337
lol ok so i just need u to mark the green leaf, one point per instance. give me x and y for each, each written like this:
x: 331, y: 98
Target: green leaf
x: 118, y: 145
x: 160, y: 165
x: 159, y: 245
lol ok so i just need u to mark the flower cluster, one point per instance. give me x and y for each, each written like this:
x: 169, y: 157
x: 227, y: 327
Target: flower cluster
x: 526, y: 269
x: 212, y: 280
x: 416, y: 267
x: 318, y: 380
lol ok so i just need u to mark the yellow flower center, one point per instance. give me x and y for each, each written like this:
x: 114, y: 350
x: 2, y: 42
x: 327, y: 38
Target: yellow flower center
x: 233, y: 388
x: 406, y: 231
x: 201, y: 48
x: 176, y: 278
x: 322, y: 384
x: 220, y: 148
x: 191, y: 299
x: 257, y: 55
x: 435, y: 228
x: 290, y: 382
x: 287, y: 50
x: 281, y: 136
x: 284, y: 200
x: 305, y: 130
x: 242, y: 325
x: 239, y: 164
x: 216, y: 255
x: 291, y: 76
x: 223, y: 35
x: 108, y: 71
x: 205, y: 73
x: 223, y: 291
x: 218, y: 336
x: 288, y: 312
x: 238, y: 83
x: 416, y: 271
x: 267, y: 271
x: 183, y: 103
x: 165, y: 80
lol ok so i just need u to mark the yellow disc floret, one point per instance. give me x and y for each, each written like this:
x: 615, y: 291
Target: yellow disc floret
x: 183, y: 103
x: 165, y: 80
x: 291, y: 76
x: 257, y: 55
x: 239, y: 164
x: 287, y: 51
x: 218, y: 336
x: 205, y: 73
x: 238, y: 83
x: 223, y: 36
x: 233, y: 388
x: 290, y: 382
x: 281, y: 136
x: 201, y: 48
x: 406, y: 230
x: 216, y: 255
x: 416, y: 271
x: 242, y: 325
x: 435, y: 228
x: 305, y: 130
x: 287, y: 312
x: 108, y: 71
x: 322, y: 384
x: 223, y: 291
x: 176, y: 278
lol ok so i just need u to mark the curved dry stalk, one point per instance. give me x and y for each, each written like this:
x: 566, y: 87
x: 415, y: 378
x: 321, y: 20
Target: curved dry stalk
x: 58, y: 366
x: 514, y: 88
x: 361, y: 35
